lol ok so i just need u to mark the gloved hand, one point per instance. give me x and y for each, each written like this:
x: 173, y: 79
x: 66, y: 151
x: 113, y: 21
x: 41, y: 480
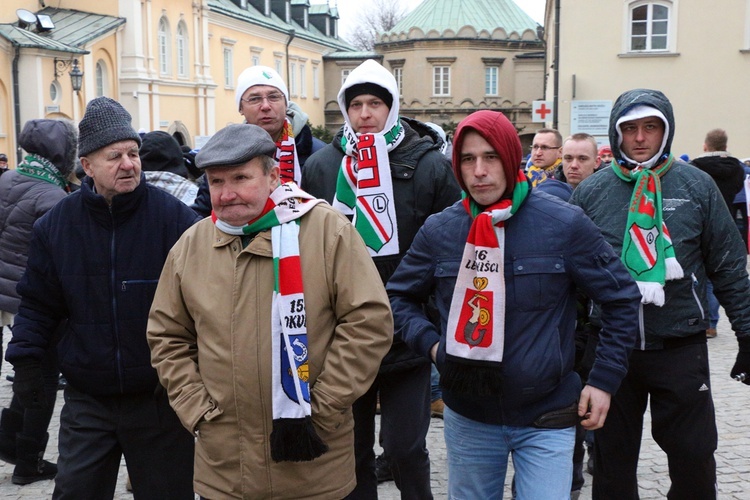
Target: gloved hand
x: 742, y: 365
x: 28, y: 385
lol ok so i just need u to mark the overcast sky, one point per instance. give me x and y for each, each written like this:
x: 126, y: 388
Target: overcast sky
x: 348, y: 10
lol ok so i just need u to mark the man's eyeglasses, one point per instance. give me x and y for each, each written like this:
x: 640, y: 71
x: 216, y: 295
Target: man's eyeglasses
x: 257, y: 100
x: 537, y: 147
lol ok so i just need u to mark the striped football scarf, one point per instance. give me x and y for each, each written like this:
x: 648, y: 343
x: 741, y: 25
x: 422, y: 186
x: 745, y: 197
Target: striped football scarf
x: 647, y: 249
x: 475, y: 336
x: 39, y: 167
x: 293, y: 437
x: 364, y: 188
x: 286, y: 155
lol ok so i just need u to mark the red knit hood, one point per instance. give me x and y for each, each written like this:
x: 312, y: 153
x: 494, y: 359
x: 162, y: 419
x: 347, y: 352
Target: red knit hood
x: 496, y: 129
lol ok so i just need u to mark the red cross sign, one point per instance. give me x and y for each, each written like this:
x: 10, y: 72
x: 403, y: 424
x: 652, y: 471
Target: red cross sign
x: 540, y: 110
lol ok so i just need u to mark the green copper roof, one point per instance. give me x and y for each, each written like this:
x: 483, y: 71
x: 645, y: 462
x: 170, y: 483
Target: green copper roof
x: 73, y: 30
x: 442, y: 15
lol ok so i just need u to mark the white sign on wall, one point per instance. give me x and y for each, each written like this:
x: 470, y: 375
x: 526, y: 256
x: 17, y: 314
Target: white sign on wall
x: 590, y: 117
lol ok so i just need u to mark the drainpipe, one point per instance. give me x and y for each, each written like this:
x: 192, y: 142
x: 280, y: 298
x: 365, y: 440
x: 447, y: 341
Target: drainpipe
x: 17, y: 101
x: 292, y: 32
x: 556, y: 82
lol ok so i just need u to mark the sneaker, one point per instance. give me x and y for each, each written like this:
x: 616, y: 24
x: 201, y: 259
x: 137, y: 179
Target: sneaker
x: 711, y: 333
x: 436, y: 408
x: 383, y: 469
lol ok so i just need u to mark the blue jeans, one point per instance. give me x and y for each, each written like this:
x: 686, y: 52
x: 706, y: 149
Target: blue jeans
x: 435, y: 391
x: 713, y: 305
x: 478, y: 459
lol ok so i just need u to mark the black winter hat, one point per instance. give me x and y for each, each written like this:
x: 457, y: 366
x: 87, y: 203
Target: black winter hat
x: 368, y: 88
x: 55, y: 140
x: 104, y: 122
x: 161, y: 152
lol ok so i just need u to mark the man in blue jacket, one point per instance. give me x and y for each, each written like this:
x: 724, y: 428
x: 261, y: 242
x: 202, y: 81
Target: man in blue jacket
x: 669, y: 223
x: 504, y: 285
x: 94, y: 262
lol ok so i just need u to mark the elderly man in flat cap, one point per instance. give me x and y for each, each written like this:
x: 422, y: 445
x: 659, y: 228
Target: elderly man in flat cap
x: 94, y: 260
x: 269, y: 321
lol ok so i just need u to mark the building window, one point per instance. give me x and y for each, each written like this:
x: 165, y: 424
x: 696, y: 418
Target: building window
x: 54, y: 91
x: 182, y: 50
x: 398, y: 74
x: 293, y: 78
x: 490, y: 80
x: 101, y: 79
x: 441, y: 80
x: 316, y: 83
x: 164, y: 53
x: 302, y: 81
x: 344, y: 75
x: 649, y: 26
x: 278, y: 68
x: 228, y: 68
x: 256, y: 60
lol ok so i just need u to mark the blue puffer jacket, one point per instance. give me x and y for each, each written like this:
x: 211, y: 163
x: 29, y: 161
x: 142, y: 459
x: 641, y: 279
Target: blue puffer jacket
x: 550, y: 248
x: 97, y: 266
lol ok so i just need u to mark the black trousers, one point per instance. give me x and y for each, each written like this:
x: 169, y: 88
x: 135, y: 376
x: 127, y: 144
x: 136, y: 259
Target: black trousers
x: 404, y: 421
x: 683, y: 424
x: 95, y: 432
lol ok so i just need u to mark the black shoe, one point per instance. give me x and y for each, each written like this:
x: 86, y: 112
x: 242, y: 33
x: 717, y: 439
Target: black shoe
x: 383, y: 469
x: 30, y: 466
x: 590, y: 464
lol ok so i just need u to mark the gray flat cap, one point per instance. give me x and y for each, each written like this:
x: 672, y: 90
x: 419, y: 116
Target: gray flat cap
x: 235, y: 145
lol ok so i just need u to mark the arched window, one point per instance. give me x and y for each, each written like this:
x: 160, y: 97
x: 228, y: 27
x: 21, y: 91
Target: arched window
x: 164, y: 53
x: 182, y: 50
x: 102, y: 82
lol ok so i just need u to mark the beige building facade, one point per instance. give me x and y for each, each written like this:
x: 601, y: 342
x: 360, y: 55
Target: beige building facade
x: 173, y: 64
x: 453, y: 58
x: 697, y: 53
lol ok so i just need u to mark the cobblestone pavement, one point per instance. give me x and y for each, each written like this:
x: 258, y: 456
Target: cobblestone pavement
x: 732, y: 400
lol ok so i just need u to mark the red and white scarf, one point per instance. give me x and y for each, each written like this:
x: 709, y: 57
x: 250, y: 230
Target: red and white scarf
x: 286, y: 155
x: 475, y: 336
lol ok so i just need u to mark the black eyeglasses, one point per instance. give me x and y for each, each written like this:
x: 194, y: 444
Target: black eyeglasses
x: 537, y: 147
x: 256, y: 100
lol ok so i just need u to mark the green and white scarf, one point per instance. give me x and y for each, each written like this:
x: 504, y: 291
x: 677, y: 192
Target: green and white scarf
x: 364, y: 188
x: 39, y: 167
x: 647, y: 249
x: 293, y: 437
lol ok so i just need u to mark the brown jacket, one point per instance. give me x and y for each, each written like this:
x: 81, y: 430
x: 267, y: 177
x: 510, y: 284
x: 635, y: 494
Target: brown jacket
x: 210, y: 336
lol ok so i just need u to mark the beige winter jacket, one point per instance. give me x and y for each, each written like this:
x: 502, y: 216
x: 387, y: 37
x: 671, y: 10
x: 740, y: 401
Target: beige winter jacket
x: 209, y: 333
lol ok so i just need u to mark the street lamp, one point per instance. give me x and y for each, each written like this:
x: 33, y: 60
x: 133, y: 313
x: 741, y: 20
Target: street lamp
x: 76, y: 75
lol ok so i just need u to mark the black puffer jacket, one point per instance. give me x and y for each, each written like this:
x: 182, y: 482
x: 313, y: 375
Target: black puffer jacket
x: 24, y: 199
x: 423, y: 184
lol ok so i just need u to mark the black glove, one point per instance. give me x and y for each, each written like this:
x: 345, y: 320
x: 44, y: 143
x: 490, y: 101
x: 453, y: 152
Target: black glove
x: 742, y: 365
x: 28, y: 385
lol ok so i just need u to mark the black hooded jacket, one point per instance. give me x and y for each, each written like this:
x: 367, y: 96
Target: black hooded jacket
x: 726, y: 172
x: 423, y: 184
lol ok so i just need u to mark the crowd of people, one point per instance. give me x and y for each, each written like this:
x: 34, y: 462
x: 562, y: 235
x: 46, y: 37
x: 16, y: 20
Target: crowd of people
x: 229, y: 320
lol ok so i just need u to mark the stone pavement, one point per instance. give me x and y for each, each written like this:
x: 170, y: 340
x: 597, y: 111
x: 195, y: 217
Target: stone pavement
x: 732, y: 400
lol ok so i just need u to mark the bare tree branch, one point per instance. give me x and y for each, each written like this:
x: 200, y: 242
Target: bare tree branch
x: 380, y: 17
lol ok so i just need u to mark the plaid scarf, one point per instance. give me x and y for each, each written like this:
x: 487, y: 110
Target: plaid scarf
x: 647, y: 249
x: 286, y: 155
x: 475, y: 336
x: 364, y: 188
x: 293, y: 437
x: 39, y: 167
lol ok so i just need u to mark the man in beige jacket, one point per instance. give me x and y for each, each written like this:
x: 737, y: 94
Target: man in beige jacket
x: 269, y: 321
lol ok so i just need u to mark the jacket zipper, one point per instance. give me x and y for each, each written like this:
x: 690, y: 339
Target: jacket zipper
x: 113, y: 283
x: 695, y: 296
